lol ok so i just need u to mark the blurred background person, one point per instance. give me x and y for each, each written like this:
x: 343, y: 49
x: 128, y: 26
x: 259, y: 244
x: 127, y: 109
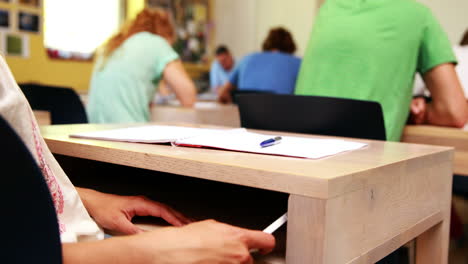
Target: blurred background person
x: 273, y: 70
x: 461, y: 53
x: 221, y: 67
x: 130, y: 66
x: 362, y: 50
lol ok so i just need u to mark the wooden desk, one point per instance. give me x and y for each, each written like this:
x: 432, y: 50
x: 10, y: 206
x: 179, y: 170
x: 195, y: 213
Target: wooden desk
x: 42, y: 117
x: 354, y: 207
x: 442, y: 136
x: 206, y: 113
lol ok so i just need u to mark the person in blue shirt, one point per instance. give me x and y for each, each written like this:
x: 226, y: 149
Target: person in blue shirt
x: 221, y: 68
x: 273, y: 70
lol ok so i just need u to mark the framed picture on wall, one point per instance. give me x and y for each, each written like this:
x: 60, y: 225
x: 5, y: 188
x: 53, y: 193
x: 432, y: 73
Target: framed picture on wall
x: 15, y: 44
x: 32, y: 3
x: 191, y: 22
x: 4, y: 18
x: 28, y: 22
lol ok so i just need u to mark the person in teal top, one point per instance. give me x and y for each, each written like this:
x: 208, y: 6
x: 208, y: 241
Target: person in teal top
x: 130, y: 66
x: 371, y: 50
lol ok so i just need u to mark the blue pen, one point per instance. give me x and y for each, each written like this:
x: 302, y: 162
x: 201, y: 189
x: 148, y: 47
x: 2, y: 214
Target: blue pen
x: 270, y: 142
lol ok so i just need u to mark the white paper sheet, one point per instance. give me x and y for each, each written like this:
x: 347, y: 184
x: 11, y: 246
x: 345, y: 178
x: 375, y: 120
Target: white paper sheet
x: 234, y: 139
x: 241, y: 140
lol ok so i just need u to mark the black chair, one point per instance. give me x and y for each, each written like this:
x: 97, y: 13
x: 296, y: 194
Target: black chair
x: 29, y: 223
x: 312, y: 115
x: 63, y: 103
x: 236, y: 92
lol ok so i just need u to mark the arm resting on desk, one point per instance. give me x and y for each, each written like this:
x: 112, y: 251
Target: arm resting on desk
x: 449, y: 106
x: 202, y: 242
x: 224, y: 93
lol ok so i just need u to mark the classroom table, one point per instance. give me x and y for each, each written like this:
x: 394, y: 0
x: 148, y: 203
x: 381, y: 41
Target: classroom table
x: 442, y: 136
x: 354, y: 207
x: 209, y: 113
x: 42, y: 117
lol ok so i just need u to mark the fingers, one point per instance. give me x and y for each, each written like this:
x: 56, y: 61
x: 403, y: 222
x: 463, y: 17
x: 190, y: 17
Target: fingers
x: 249, y: 260
x: 417, y: 105
x: 125, y: 226
x: 252, y: 239
x: 259, y: 240
x: 146, y: 207
x: 170, y: 217
x: 182, y: 218
x: 418, y: 110
x: 185, y: 220
x: 415, y: 109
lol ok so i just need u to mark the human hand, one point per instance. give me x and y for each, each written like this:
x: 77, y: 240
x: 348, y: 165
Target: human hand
x: 115, y: 212
x: 418, y: 111
x: 202, y: 242
x: 224, y: 96
x: 224, y: 93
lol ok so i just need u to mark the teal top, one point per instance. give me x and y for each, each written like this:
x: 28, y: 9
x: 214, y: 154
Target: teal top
x: 371, y: 50
x: 123, y: 86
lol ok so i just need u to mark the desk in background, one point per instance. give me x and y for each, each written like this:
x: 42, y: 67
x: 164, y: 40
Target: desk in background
x: 354, y: 207
x: 442, y: 136
x: 208, y: 113
x: 196, y: 70
x: 42, y: 117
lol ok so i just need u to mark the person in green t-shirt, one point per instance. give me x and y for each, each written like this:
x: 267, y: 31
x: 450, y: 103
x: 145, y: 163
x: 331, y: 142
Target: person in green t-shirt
x: 130, y: 66
x: 371, y: 50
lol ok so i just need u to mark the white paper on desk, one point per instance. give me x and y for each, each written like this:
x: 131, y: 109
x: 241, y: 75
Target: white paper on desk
x: 146, y: 134
x: 241, y: 140
x: 198, y: 105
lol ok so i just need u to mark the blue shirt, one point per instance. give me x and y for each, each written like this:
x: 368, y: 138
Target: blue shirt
x: 274, y: 72
x: 218, y: 75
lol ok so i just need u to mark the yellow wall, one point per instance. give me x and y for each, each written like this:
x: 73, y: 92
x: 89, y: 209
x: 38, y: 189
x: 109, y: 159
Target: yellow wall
x: 133, y: 7
x: 39, y: 68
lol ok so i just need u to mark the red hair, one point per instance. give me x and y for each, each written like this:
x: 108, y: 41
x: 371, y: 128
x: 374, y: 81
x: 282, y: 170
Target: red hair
x: 155, y: 21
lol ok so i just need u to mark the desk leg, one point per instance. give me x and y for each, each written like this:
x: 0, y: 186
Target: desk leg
x: 432, y: 245
x: 306, y: 231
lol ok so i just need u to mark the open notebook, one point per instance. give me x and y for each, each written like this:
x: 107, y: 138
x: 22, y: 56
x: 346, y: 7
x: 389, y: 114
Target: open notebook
x: 232, y: 139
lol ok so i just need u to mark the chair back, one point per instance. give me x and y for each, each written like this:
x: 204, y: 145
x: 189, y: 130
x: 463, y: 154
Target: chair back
x: 63, y: 103
x: 312, y: 115
x: 29, y: 223
x: 238, y: 92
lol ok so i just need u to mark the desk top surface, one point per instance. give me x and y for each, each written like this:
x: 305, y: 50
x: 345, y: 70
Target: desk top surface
x: 442, y: 136
x: 437, y: 131
x: 437, y: 135
x: 322, y: 178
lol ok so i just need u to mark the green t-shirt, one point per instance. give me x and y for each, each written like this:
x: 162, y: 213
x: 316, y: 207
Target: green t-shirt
x: 123, y: 86
x: 371, y: 50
